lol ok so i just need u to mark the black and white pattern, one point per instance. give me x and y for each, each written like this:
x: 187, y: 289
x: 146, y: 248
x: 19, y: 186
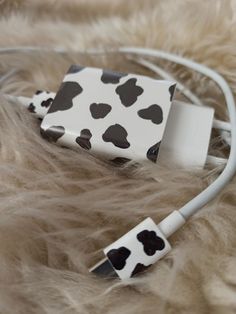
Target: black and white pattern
x: 53, y: 133
x: 153, y: 113
x: 117, y: 135
x: 112, y: 114
x: 129, y: 92
x: 118, y: 257
x: 137, y: 250
x: 64, y: 97
x: 41, y: 102
x: 84, y: 139
x: 150, y: 241
x: 100, y: 110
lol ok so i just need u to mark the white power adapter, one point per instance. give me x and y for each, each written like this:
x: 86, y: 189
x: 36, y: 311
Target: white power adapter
x: 187, y: 135
x: 106, y: 122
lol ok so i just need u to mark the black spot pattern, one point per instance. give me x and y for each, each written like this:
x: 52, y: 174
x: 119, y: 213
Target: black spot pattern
x: 129, y: 92
x: 31, y: 108
x: 171, y: 91
x: 46, y: 103
x: 139, y: 268
x: 38, y: 92
x: 153, y: 113
x: 118, y: 257
x: 153, y: 151
x: 100, y: 110
x: 75, y: 69
x: 110, y: 77
x: 119, y: 161
x: 64, y: 97
x: 53, y: 133
x: 151, y: 242
x: 116, y: 134
x: 84, y: 139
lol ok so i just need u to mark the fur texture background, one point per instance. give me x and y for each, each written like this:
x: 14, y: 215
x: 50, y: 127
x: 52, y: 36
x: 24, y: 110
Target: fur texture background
x: 59, y: 208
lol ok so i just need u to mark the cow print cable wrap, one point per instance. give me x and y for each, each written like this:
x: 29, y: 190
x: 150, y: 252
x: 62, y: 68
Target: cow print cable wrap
x: 41, y: 102
x: 137, y: 250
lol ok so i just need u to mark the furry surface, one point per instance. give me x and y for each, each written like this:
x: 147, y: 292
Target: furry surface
x: 59, y: 208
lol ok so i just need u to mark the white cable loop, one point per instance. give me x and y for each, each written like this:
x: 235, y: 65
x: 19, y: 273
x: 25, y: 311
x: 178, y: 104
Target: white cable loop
x: 167, y: 76
x: 215, y: 188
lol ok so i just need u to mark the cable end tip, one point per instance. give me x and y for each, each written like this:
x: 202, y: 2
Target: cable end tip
x: 103, y: 269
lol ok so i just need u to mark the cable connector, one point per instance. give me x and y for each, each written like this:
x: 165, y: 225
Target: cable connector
x: 138, y: 249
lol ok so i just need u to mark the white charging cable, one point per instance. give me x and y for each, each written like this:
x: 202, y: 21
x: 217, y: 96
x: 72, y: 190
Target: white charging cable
x: 213, y: 189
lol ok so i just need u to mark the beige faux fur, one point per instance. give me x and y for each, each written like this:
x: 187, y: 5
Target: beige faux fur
x: 59, y: 208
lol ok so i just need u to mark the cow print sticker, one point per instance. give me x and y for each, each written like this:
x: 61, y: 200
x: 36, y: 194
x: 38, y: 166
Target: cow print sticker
x: 139, y: 268
x: 118, y: 257
x: 117, y: 135
x: 129, y: 92
x: 53, y: 133
x: 121, y: 110
x: 64, y: 97
x: 151, y: 242
x: 153, y: 113
x: 84, y: 139
x: 109, y: 77
x: 171, y: 91
x: 153, y: 151
x: 100, y: 110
